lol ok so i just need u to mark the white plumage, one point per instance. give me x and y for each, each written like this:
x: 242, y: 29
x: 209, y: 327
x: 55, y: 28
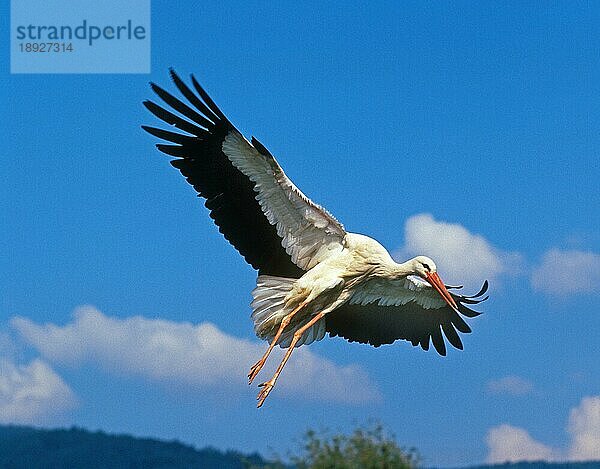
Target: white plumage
x: 314, y: 276
x: 308, y: 232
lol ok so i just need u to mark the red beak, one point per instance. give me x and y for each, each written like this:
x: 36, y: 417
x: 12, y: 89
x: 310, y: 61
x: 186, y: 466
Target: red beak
x: 436, y: 282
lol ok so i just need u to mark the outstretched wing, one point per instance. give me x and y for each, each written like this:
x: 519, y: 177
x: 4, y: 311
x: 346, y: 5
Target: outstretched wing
x: 413, y: 312
x: 277, y: 229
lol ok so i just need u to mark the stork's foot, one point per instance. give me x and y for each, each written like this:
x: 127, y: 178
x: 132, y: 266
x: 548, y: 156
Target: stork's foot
x: 256, y: 369
x: 264, y: 392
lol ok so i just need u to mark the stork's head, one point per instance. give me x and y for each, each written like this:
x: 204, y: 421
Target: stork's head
x: 425, y: 268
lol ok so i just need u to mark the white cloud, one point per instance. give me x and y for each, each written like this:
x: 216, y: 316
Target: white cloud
x: 584, y: 427
x: 513, y: 385
x: 567, y: 272
x: 196, y: 356
x: 462, y: 257
x: 7, y: 346
x: 31, y: 393
x: 508, y: 443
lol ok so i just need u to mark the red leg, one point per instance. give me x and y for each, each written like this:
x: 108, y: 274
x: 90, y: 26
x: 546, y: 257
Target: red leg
x: 268, y: 385
x: 284, y: 323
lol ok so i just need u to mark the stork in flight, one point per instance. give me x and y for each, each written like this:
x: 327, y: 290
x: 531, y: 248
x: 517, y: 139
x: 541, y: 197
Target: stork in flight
x: 313, y: 275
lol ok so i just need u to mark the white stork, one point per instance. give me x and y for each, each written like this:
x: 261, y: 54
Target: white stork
x: 313, y: 276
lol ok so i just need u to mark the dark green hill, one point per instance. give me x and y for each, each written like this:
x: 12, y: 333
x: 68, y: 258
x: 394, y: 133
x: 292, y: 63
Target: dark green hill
x: 31, y: 448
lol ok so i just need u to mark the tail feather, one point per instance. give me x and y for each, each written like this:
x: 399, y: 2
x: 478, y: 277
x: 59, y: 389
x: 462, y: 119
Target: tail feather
x: 269, y: 304
x: 269, y: 308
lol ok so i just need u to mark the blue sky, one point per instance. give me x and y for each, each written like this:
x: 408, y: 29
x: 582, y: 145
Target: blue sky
x: 437, y: 128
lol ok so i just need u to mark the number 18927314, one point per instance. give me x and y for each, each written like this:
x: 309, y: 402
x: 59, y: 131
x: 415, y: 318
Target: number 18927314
x: 45, y: 47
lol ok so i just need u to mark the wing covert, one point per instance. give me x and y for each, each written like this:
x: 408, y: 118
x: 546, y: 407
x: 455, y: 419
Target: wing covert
x: 308, y: 232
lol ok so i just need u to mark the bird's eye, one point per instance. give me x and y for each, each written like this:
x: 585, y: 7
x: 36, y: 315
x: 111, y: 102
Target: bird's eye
x: 427, y: 268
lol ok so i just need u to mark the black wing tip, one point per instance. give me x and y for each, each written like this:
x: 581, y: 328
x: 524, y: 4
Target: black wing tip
x: 196, y: 83
x: 440, y: 348
x: 148, y: 104
x: 468, y: 312
x: 155, y: 87
x: 155, y: 131
x: 174, y: 76
x: 458, y: 322
x: 208, y: 100
x: 149, y: 129
x: 483, y: 290
x: 438, y: 341
x: 476, y: 296
x: 162, y: 93
x: 208, y: 108
x: 159, y: 90
x: 451, y: 334
x: 175, y: 151
x: 472, y: 300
